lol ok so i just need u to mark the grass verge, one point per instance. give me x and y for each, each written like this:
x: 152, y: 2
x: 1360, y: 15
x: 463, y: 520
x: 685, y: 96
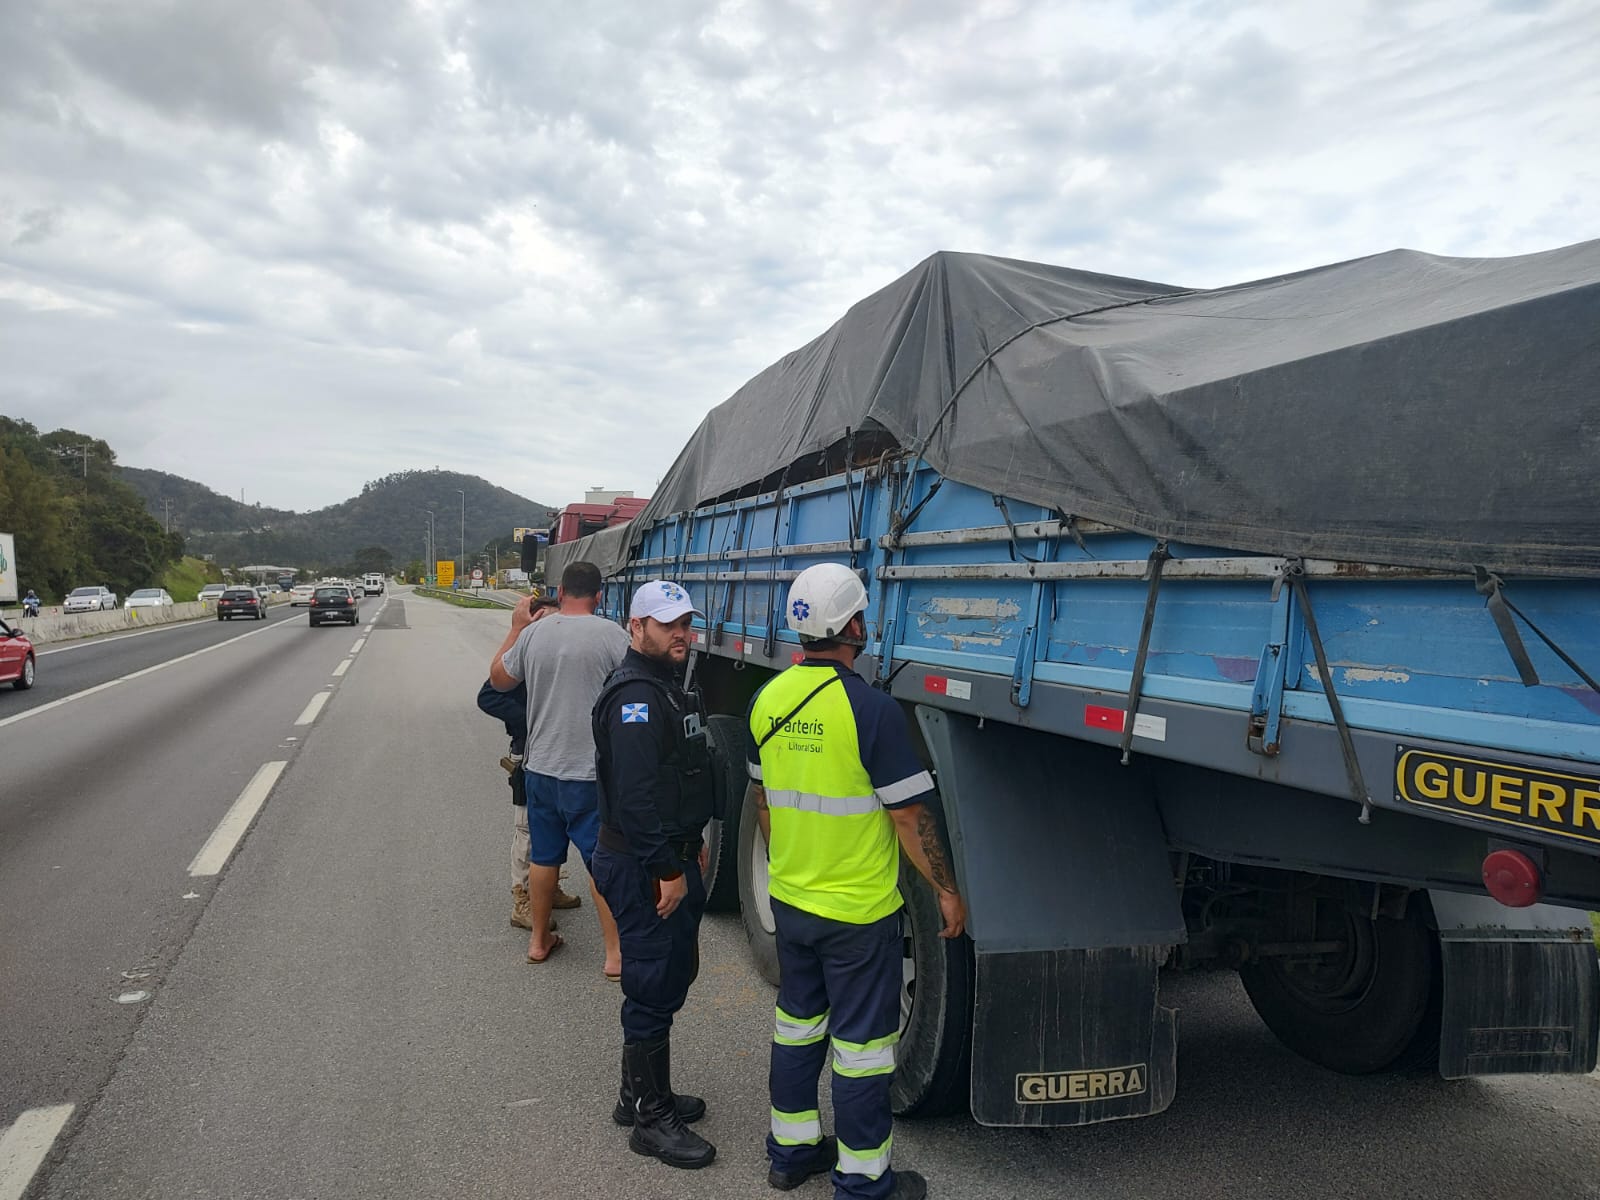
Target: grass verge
x: 460, y: 601
x: 185, y: 579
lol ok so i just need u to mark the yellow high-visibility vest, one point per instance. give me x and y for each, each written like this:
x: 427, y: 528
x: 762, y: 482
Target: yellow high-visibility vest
x: 834, y: 851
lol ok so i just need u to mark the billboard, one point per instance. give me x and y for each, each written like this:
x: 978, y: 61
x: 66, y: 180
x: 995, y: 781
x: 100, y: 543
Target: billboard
x: 8, y: 567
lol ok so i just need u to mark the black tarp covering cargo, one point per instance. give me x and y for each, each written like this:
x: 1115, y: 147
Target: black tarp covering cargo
x: 1404, y: 408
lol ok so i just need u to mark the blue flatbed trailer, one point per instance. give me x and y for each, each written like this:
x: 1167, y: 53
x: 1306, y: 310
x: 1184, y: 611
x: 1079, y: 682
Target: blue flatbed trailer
x: 1152, y: 753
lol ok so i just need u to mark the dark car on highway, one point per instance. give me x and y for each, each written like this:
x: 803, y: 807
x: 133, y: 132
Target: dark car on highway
x: 241, y: 602
x: 334, y: 602
x: 16, y: 657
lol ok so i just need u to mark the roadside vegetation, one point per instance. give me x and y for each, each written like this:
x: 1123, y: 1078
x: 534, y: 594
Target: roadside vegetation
x: 75, y: 522
x: 185, y: 578
x: 458, y: 600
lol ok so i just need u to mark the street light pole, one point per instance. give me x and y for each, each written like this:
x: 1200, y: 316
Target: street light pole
x: 462, y: 569
x: 433, y: 549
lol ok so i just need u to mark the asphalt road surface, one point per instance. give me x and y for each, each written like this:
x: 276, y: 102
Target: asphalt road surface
x: 346, y: 1012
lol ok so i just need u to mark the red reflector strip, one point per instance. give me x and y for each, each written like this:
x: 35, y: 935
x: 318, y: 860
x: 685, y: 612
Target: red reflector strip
x: 939, y: 685
x: 1096, y: 716
x: 797, y: 657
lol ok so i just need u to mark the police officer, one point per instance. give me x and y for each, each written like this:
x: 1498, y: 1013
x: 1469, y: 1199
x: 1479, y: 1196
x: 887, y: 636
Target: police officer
x: 839, y: 791
x: 655, y: 796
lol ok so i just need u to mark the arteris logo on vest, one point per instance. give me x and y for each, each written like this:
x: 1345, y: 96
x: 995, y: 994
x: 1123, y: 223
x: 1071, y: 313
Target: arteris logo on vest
x: 804, y: 730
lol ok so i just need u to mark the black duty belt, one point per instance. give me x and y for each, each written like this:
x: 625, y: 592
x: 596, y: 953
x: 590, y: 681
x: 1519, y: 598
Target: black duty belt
x: 686, y: 849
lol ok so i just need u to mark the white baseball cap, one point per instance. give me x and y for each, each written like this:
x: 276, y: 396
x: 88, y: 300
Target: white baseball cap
x: 663, y: 600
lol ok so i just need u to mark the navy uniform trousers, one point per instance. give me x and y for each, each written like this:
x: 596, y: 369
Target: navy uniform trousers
x: 660, y: 959
x: 840, y: 992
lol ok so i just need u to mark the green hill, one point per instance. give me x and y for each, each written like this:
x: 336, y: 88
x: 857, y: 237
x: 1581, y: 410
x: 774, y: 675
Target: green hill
x: 390, y: 513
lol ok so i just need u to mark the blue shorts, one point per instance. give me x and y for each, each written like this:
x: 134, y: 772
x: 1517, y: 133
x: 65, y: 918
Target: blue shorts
x: 561, y: 811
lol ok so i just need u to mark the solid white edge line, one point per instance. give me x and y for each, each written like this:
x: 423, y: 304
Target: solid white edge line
x: 341, y: 668
x: 360, y: 642
x: 309, y: 713
x: 171, y: 662
x: 24, y: 1146
x: 227, y: 834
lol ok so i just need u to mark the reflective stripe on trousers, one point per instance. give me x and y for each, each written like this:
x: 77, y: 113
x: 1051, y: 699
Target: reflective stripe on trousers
x: 796, y: 1129
x: 859, y: 1059
x: 799, y: 1031
x: 871, y: 1163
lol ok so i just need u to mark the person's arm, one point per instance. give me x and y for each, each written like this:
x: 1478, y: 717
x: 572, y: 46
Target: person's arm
x: 752, y: 767
x: 903, y: 786
x: 523, y: 615
x: 918, y: 831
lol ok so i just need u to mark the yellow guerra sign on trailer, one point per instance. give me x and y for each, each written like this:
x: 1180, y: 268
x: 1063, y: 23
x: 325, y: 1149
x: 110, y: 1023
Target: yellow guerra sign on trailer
x: 446, y: 571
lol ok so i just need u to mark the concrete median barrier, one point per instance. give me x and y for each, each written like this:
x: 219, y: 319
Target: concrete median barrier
x: 53, y: 625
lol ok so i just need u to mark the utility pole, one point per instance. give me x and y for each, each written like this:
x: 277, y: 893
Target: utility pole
x: 462, y: 569
x: 166, y: 505
x: 433, y: 549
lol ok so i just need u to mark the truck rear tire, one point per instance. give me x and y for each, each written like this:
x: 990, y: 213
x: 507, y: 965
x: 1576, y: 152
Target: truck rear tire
x: 933, y: 1064
x: 755, y: 902
x: 722, y: 835
x: 1360, y: 1011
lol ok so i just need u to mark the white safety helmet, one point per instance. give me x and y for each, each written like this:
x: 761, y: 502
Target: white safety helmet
x: 822, y: 599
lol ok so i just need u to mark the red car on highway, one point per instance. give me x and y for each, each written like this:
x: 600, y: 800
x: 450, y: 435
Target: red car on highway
x: 16, y: 658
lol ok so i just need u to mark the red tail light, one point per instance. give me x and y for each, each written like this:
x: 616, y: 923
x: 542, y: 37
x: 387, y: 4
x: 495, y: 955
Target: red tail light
x: 1512, y: 878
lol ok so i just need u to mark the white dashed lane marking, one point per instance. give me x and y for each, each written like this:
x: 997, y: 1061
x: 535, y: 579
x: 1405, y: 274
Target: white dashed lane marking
x: 312, y: 709
x: 341, y: 668
x: 24, y: 1146
x: 360, y: 642
x: 227, y: 834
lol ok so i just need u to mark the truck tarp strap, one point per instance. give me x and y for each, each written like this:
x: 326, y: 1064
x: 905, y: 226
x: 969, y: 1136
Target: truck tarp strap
x: 1016, y: 552
x: 901, y: 524
x: 1158, y: 560
x: 777, y: 726
x: 1489, y: 587
x: 1352, y: 765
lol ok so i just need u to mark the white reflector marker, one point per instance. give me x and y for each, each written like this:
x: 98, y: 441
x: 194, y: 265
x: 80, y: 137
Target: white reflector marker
x: 226, y: 836
x: 24, y: 1146
x: 312, y: 709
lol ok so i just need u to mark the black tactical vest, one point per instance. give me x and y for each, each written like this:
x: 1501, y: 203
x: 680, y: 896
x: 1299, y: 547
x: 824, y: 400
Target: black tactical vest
x: 684, y: 778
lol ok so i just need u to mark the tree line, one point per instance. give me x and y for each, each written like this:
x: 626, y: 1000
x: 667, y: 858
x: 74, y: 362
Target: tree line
x: 75, y: 522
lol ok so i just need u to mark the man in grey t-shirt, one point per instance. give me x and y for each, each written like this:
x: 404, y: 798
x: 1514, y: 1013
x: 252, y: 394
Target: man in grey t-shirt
x: 564, y: 659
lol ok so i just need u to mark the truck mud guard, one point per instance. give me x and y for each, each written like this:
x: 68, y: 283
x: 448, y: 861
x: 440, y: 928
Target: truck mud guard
x: 1072, y: 907
x: 1521, y: 988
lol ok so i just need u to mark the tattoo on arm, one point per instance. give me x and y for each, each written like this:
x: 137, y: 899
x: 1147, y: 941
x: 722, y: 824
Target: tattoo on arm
x: 928, y: 834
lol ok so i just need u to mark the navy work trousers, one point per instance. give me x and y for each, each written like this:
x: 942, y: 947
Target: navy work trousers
x: 660, y: 959
x: 840, y: 992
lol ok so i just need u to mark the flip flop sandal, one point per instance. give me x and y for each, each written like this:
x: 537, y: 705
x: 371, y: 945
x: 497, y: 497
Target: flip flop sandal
x: 555, y: 944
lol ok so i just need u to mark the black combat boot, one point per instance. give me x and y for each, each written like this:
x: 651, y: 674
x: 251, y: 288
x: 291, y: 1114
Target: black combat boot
x: 658, y: 1131
x: 690, y: 1108
x: 823, y: 1157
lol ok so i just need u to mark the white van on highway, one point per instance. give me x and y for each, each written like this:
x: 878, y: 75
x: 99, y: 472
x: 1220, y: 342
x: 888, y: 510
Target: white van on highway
x: 372, y: 583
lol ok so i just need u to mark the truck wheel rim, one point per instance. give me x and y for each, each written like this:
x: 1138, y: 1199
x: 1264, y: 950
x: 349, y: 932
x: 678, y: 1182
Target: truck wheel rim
x: 760, y: 883
x: 908, y: 968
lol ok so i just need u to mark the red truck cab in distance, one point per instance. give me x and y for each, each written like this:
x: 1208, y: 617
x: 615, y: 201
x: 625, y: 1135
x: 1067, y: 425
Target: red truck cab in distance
x: 578, y: 520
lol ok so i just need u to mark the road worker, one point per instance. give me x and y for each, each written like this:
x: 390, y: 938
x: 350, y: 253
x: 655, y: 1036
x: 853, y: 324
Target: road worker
x: 839, y: 791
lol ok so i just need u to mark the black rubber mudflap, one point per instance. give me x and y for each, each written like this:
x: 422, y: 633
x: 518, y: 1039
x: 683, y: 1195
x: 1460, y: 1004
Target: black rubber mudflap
x: 1521, y: 989
x: 1071, y: 1037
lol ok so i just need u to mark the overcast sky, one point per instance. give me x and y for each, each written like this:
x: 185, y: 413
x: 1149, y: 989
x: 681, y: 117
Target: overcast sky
x: 287, y: 247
